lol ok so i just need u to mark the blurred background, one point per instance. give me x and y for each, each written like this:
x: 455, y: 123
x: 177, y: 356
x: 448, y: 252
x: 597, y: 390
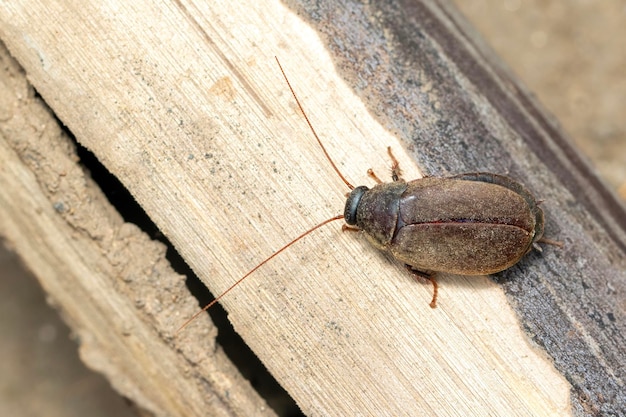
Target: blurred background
x: 572, y: 55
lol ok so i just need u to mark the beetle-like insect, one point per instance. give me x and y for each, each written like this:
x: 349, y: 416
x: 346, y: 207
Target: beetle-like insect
x: 468, y: 224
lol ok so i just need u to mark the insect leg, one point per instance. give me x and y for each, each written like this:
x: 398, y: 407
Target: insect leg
x: 373, y: 175
x: 421, y: 275
x: 348, y: 228
x: 396, y: 172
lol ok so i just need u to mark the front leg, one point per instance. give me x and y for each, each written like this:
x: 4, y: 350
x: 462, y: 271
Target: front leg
x: 396, y: 172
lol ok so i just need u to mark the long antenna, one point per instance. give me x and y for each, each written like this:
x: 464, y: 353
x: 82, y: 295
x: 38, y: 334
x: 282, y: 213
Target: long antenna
x: 325, y: 222
x: 206, y: 307
x: 293, y: 93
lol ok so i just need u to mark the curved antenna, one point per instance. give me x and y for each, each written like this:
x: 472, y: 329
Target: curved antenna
x: 293, y: 93
x: 219, y: 297
x: 325, y: 222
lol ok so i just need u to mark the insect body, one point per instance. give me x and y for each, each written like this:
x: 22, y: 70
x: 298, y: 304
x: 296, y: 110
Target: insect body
x: 468, y: 224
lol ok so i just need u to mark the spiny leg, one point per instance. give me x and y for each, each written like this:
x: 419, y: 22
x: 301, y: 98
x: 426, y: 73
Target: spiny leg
x: 396, y: 172
x: 420, y: 275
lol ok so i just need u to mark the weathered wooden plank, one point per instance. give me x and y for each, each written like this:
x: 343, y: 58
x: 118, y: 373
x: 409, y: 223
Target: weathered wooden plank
x: 184, y: 104
x: 112, y: 285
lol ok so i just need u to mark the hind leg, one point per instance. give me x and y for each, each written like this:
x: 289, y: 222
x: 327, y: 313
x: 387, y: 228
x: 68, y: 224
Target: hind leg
x: 421, y: 275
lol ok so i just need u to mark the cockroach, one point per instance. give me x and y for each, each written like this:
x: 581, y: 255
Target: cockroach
x: 467, y: 224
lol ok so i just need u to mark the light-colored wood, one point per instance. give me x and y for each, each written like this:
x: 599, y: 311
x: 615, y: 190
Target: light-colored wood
x: 184, y: 103
x: 112, y: 284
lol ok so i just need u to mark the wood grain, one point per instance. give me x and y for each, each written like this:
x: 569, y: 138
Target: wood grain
x: 113, y: 285
x: 183, y: 103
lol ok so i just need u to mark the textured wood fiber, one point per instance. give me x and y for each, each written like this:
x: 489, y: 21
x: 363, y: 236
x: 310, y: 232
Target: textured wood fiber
x: 184, y: 104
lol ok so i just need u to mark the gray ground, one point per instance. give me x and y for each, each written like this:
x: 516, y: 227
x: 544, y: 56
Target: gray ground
x: 572, y: 55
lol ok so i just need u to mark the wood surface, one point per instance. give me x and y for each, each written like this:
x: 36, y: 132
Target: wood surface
x: 184, y: 104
